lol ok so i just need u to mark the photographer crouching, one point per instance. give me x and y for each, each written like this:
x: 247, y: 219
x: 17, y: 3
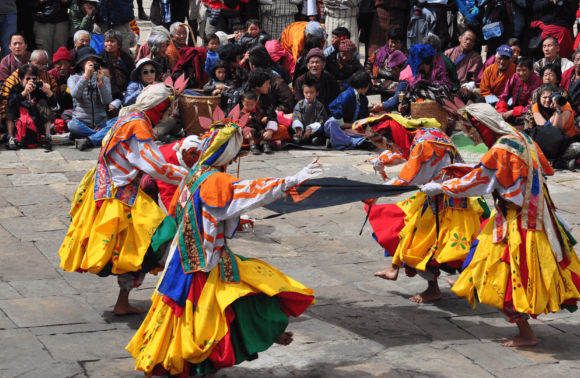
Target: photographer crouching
x: 29, y: 107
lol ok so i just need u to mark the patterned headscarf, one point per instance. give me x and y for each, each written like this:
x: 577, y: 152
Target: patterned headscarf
x: 221, y: 146
x: 417, y: 54
x: 346, y: 45
x: 316, y: 29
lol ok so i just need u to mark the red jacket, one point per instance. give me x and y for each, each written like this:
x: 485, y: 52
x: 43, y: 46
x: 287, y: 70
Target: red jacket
x: 218, y: 4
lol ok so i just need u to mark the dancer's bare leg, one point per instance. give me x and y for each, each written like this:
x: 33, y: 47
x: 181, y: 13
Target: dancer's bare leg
x: 390, y: 273
x: 123, y: 307
x: 286, y: 339
x: 526, y: 337
x: 450, y: 281
x: 431, y: 294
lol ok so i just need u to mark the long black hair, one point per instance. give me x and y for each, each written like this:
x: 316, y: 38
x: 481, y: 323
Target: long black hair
x: 221, y: 64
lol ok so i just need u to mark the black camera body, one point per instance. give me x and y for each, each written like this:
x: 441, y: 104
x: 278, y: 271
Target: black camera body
x: 97, y: 66
x: 558, y: 98
x: 38, y: 84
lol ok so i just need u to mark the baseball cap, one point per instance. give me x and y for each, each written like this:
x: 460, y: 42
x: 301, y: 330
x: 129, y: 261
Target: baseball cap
x: 505, y: 50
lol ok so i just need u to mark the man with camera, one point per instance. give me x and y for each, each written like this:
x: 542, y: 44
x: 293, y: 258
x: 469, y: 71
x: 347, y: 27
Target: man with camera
x: 37, y: 99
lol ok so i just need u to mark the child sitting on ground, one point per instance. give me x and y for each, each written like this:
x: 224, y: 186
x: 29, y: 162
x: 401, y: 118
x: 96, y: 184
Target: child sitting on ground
x: 212, y: 45
x: 254, y: 35
x: 220, y: 83
x: 256, y: 126
x: 310, y: 113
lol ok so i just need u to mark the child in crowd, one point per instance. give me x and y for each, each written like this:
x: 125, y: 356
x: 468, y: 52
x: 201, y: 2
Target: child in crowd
x: 220, y: 83
x: 337, y: 34
x: 212, y: 44
x: 254, y: 34
x: 239, y: 31
x: 309, y: 115
x: 257, y: 123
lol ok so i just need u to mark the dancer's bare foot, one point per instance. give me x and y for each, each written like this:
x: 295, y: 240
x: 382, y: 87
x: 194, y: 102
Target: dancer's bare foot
x: 286, y: 339
x: 123, y: 307
x: 431, y: 294
x: 450, y: 281
x: 390, y: 273
x: 526, y: 337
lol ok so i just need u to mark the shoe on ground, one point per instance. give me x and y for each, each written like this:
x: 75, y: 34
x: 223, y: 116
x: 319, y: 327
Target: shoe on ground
x: 83, y: 143
x: 328, y: 143
x: 318, y: 141
x: 297, y: 139
x: 12, y: 144
x: 142, y: 15
x: 266, y: 148
x: 254, y: 149
x: 46, y: 142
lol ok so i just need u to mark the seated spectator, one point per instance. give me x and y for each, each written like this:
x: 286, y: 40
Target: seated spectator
x: 556, y: 19
x: 514, y: 44
x: 336, y: 36
x: 293, y: 38
x: 279, y: 89
x: 377, y: 65
x: 468, y: 64
x: 309, y: 116
x: 219, y: 83
x: 178, y: 41
x: 37, y: 98
x: 397, y: 62
x: 119, y: 62
x: 515, y: 99
x: 91, y: 93
x: 280, y: 56
x: 61, y: 72
x: 328, y: 89
x: 158, y: 49
x: 82, y: 38
x: 301, y: 67
x: 84, y: 15
x: 430, y: 79
x: 551, y: 50
x: 344, y: 64
x: 234, y: 54
x: 551, y: 75
x: 571, y: 83
x: 350, y: 106
x: 441, y: 60
x: 265, y: 132
x: 142, y: 76
x: 239, y: 30
x: 50, y: 25
x: 17, y: 57
x: 184, y: 153
x: 212, y: 43
x: 254, y: 35
x: 144, y: 50
x: 191, y: 63
x: 496, y: 76
x: 547, y: 111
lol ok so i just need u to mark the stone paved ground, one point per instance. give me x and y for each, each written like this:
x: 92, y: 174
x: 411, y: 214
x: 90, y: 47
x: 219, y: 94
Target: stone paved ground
x: 58, y: 324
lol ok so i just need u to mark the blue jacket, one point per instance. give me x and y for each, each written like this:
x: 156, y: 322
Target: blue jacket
x: 133, y: 91
x: 121, y: 11
x: 393, y: 102
x: 344, y: 106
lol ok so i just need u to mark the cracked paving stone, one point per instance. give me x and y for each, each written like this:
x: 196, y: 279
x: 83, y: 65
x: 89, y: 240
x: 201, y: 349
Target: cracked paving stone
x: 30, y: 195
x: 112, y: 368
x: 54, y: 370
x: 43, y: 288
x: 16, y: 344
x: 22, y: 262
x: 311, y: 277
x: 493, y: 357
x: 9, y: 212
x: 255, y: 249
x: 36, y: 179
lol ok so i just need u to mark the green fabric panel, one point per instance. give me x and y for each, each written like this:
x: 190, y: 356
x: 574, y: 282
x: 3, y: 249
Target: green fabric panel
x: 259, y: 322
x: 483, y: 204
x: 569, y: 308
x: 463, y: 143
x: 164, y: 233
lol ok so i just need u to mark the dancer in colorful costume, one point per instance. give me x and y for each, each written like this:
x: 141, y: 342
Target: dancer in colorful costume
x: 408, y: 230
x: 116, y: 228
x: 524, y: 263
x: 213, y: 309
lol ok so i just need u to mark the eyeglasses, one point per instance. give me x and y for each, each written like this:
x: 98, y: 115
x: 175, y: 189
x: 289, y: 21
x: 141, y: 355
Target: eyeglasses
x: 40, y: 65
x: 145, y: 72
x: 28, y: 78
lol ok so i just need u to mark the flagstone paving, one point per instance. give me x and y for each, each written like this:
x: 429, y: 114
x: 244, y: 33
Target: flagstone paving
x: 59, y: 324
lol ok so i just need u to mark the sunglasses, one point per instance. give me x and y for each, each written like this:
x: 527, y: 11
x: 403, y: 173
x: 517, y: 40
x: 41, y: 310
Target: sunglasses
x: 145, y: 72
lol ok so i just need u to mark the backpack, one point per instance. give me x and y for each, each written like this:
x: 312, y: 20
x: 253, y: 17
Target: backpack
x: 27, y: 134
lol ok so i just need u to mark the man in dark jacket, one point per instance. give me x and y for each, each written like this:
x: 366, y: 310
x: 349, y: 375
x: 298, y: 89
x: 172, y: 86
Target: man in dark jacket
x: 37, y: 98
x: 51, y: 26
x: 118, y: 18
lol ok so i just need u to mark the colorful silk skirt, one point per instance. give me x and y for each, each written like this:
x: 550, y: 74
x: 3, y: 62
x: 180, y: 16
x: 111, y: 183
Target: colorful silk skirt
x: 216, y: 324
x: 520, y: 272
x: 110, y: 237
x: 408, y: 230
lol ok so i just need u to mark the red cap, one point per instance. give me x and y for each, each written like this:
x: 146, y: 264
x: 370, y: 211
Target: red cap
x: 61, y: 54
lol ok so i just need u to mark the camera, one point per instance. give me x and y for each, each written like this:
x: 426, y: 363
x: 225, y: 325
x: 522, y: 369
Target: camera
x: 97, y: 66
x: 558, y: 98
x: 38, y: 84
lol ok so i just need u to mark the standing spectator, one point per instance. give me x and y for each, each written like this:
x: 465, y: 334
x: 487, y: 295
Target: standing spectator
x: 389, y: 14
x: 173, y: 11
x: 556, y: 19
x: 468, y: 63
x: 16, y: 58
x: 192, y: 17
x: 118, y: 61
x: 328, y: 88
x: 551, y: 49
x: 220, y: 16
x: 91, y: 92
x: 277, y: 16
x: 61, y: 72
x: 84, y: 15
x: 342, y: 13
x: 121, y: 13
x: 81, y: 38
x: 51, y: 24
x: 365, y: 22
x: 25, y: 24
x: 8, y: 19
x: 142, y: 15
x: 439, y: 9
x: 178, y: 34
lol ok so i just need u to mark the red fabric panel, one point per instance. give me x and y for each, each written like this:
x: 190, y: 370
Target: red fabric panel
x: 387, y: 222
x: 293, y: 304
